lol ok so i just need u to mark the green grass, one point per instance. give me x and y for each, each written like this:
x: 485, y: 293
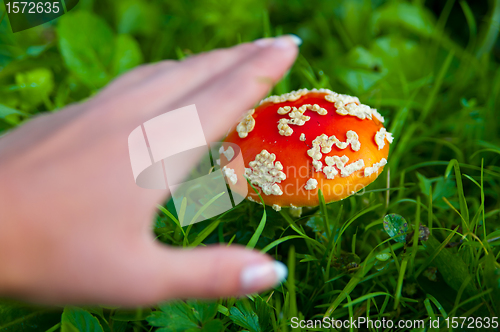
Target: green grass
x: 435, y: 77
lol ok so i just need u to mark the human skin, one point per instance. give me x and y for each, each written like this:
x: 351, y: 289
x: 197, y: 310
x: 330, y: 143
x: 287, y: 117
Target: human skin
x: 74, y: 226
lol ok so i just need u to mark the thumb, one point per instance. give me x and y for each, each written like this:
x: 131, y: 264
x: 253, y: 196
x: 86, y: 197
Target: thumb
x: 210, y: 272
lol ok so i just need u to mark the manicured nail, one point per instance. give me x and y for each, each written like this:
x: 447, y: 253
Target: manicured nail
x: 279, y: 42
x: 264, y: 42
x: 286, y: 41
x: 261, y: 276
x: 296, y: 39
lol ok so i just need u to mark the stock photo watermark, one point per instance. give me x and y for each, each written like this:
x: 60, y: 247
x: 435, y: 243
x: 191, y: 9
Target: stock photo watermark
x: 24, y: 15
x: 161, y: 152
x: 163, y: 149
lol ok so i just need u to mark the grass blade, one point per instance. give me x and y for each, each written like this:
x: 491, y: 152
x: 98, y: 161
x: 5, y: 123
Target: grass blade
x: 279, y: 241
x: 206, y: 232
x: 437, y: 85
x: 399, y: 285
x: 324, y: 213
x: 255, y: 237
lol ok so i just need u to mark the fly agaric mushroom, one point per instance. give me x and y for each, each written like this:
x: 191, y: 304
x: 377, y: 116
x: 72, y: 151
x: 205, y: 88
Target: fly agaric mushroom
x: 305, y: 140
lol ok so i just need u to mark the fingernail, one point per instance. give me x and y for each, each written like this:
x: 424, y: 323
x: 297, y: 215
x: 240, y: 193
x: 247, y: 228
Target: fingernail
x: 279, y: 42
x: 264, y: 42
x: 259, y: 276
x: 296, y: 39
x: 286, y: 41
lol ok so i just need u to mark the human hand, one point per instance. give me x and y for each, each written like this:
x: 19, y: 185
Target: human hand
x: 75, y: 228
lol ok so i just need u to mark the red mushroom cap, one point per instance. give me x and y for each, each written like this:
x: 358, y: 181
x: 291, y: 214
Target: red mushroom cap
x: 298, y: 142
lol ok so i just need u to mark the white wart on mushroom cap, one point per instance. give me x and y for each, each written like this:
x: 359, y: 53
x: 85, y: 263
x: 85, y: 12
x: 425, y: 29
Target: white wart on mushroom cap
x: 305, y: 140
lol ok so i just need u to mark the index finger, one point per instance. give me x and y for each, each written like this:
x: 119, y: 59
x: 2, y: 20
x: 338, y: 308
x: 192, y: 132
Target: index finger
x: 220, y: 98
x: 204, y: 80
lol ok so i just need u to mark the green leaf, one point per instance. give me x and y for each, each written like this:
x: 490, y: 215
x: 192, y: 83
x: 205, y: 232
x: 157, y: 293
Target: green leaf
x: 36, y: 50
x: 359, y: 81
x: 316, y: 223
x: 451, y: 266
x: 173, y: 319
x: 242, y: 315
x: 353, y: 15
x: 204, y: 311
x: 383, y: 256
x: 424, y: 183
x: 181, y: 316
x: 21, y: 317
x: 361, y: 71
x: 131, y: 315
x: 86, y: 44
x: 397, y: 15
x: 263, y: 311
x: 396, y: 227
x: 137, y: 17
x: 223, y: 310
x: 127, y: 54
x: 443, y: 187
x: 9, y: 52
x: 213, y: 326
x: 361, y: 58
x: 394, y: 53
x: 5, y: 111
x: 77, y: 319
x: 35, y: 86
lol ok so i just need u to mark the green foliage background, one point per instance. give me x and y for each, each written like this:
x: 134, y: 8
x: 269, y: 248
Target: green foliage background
x: 430, y: 67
